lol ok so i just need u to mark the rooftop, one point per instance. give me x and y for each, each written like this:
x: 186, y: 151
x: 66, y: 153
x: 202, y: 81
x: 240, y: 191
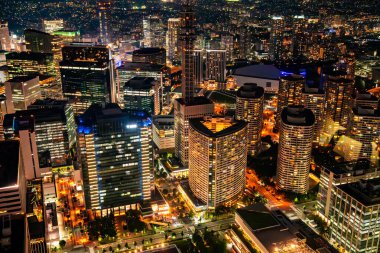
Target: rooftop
x: 297, y: 116
x: 141, y: 66
x: 196, y: 101
x: 272, y: 234
x: 97, y: 113
x: 9, y: 162
x: 140, y: 83
x: 366, y: 111
x: 31, y: 56
x: 21, y: 79
x: 259, y: 71
x: 250, y: 90
x: 149, y: 50
x: 366, y: 192
x: 36, y: 31
x: 293, y: 78
x: 257, y: 217
x: 215, y: 127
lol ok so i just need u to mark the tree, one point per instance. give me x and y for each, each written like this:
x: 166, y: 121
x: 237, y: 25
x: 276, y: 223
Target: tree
x: 62, y: 243
x: 182, y: 233
x: 143, y: 242
x: 166, y: 236
x: 126, y: 245
x: 104, y: 250
x: 133, y: 221
x: 110, y: 249
x: 119, y: 247
x: 135, y: 243
x: 174, y: 234
x: 151, y: 240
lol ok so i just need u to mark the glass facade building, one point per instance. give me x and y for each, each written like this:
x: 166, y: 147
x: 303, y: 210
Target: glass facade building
x: 116, y: 153
x: 87, y: 74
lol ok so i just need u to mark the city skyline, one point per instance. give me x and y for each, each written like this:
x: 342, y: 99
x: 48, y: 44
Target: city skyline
x: 190, y: 126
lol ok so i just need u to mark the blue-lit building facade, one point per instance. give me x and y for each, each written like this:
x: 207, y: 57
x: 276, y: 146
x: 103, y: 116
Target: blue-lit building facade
x: 116, y: 153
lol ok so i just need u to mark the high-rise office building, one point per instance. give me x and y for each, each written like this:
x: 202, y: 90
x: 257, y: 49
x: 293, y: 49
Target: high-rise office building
x: 183, y: 112
x: 139, y: 94
x: 37, y: 41
x: 154, y: 34
x: 199, y: 63
x: 188, y: 106
x: 294, y: 151
x: 12, y: 179
x: 172, y: 47
x: 116, y: 152
x: 6, y: 107
x: 364, y: 129
x: 276, y: 38
x: 250, y: 107
x: 289, y: 93
x: 129, y: 70
x: 30, y: 63
x: 5, y: 39
x: 152, y: 55
x: 313, y: 99
x: 187, y: 38
x: 87, y: 74
x: 227, y: 43
x: 163, y: 132
x: 51, y: 26
x: 23, y: 91
x: 216, y: 65
x: 337, y: 106
x: 217, y: 159
x: 53, y: 126
x: 104, y: 9
x: 355, y: 216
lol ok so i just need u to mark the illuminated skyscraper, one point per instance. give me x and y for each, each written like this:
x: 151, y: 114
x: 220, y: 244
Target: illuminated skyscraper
x: 289, y: 93
x: 5, y: 39
x: 87, y: 73
x: 172, y: 46
x: 364, y: 129
x: 37, y: 41
x: 250, y: 107
x: 139, y: 94
x: 294, y: 151
x: 337, y: 105
x: 227, y: 43
x: 276, y: 38
x: 116, y: 152
x: 30, y: 63
x: 104, y: 8
x: 217, y: 159
x: 313, y: 99
x: 154, y: 34
x: 216, y: 65
x: 51, y: 26
x: 187, y: 37
x: 23, y: 91
x: 199, y: 62
x: 188, y: 106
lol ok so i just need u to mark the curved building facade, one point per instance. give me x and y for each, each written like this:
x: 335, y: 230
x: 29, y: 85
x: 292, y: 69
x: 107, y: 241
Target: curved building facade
x: 250, y: 107
x: 217, y: 159
x: 294, y: 151
x: 289, y: 93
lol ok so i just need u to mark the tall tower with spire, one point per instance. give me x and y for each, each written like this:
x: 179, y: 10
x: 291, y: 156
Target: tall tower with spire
x: 189, y: 106
x: 187, y: 38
